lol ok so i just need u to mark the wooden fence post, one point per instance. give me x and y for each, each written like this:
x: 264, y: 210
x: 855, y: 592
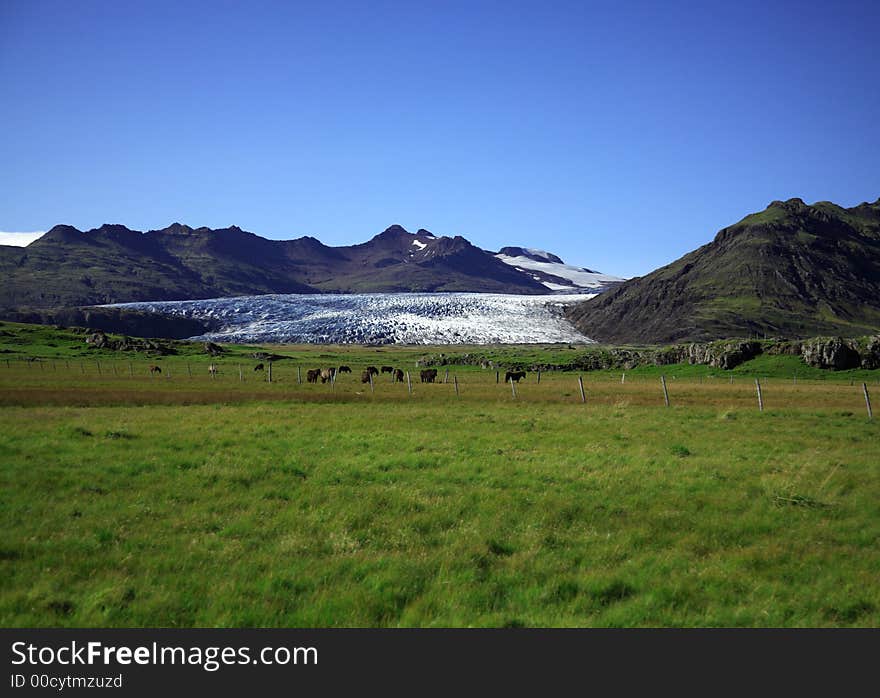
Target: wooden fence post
x: 539, y: 376
x: 760, y: 397
x: 370, y: 374
x: 581, y: 386
x: 623, y: 378
x: 97, y: 363
x: 867, y: 400
x: 455, y: 383
x: 269, y: 375
x: 513, y: 388
x: 665, y: 391
x: 240, y: 375
x: 496, y: 377
x: 189, y: 370
x: 445, y: 378
x: 299, y: 376
x: 408, y: 383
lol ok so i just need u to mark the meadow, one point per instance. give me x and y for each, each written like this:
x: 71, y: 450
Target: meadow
x: 179, y: 500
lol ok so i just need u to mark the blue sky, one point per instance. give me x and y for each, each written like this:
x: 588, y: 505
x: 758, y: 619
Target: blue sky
x: 618, y: 135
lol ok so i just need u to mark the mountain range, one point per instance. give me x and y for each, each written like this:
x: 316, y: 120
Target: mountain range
x: 792, y: 270
x: 113, y: 264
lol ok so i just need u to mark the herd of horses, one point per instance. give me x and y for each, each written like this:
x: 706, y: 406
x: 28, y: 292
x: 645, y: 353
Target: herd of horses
x: 397, y: 374
x: 428, y: 375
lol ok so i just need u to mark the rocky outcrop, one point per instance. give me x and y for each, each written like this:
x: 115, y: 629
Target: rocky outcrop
x: 836, y: 354
x: 828, y: 353
x: 99, y: 340
x: 871, y: 353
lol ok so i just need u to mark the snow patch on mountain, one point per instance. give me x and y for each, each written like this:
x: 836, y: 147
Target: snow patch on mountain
x: 578, y: 277
x: 382, y: 318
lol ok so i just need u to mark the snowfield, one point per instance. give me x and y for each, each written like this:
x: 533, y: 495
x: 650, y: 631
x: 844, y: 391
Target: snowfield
x: 381, y: 318
x: 578, y: 277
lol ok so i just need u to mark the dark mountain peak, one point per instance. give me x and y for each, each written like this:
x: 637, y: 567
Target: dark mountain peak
x: 534, y: 255
x: 393, y: 231
x: 177, y: 228
x: 112, y: 228
x: 793, y: 205
x: 61, y: 233
x: 425, y: 233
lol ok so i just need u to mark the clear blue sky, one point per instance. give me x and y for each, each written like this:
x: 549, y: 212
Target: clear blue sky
x: 618, y: 135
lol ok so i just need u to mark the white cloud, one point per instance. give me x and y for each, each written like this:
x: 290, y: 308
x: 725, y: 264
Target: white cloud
x: 20, y: 239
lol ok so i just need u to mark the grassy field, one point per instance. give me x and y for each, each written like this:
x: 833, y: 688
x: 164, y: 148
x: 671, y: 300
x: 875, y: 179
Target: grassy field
x: 130, y: 500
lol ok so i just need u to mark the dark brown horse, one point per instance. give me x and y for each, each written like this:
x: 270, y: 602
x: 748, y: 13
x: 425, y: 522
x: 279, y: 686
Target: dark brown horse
x: 429, y: 375
x: 155, y: 369
x: 312, y: 375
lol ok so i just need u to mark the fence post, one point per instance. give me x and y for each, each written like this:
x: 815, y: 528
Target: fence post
x: 240, y: 375
x: 867, y: 400
x: 539, y: 375
x: 299, y: 377
x: 623, y: 378
x: 581, y: 386
x: 760, y: 397
x: 665, y: 391
x: 455, y: 383
x: 270, y: 372
x: 513, y: 388
x: 496, y: 377
x: 97, y: 363
x: 408, y: 383
x: 445, y: 378
x: 189, y: 370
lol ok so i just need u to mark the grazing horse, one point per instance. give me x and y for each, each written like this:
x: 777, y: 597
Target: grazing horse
x: 312, y: 375
x: 327, y: 374
x: 366, y: 376
x: 155, y: 369
x: 514, y: 376
x: 373, y: 370
x: 429, y: 375
x: 397, y: 375
x: 387, y: 369
x: 259, y: 367
x: 343, y: 369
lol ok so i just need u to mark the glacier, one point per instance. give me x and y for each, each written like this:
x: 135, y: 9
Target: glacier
x: 380, y: 318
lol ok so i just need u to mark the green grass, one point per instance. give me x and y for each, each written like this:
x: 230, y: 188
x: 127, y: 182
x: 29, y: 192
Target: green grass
x: 130, y: 501
x: 426, y: 514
